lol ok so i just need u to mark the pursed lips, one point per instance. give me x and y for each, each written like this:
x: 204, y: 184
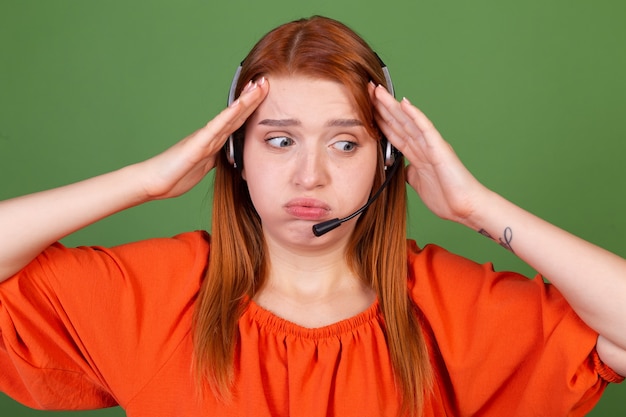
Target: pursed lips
x: 307, y: 208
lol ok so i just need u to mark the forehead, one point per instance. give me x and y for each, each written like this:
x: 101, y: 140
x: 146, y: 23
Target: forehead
x: 305, y: 99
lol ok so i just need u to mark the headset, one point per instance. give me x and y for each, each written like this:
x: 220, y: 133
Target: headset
x: 391, y: 155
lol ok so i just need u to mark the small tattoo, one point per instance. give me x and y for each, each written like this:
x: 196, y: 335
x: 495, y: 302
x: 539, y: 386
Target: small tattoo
x: 485, y: 233
x: 508, y: 238
x: 505, y: 241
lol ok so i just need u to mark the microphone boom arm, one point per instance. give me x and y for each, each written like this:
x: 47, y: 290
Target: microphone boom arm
x: 322, y: 228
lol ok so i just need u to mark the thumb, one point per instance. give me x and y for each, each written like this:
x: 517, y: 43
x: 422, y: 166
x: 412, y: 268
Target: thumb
x: 411, y: 176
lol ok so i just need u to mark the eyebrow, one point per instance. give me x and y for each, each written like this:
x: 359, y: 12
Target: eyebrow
x: 296, y: 122
x: 280, y: 122
x: 344, y: 123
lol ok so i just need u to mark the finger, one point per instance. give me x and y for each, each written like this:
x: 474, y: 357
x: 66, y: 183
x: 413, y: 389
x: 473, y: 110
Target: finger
x: 384, y: 98
x: 419, y: 118
x: 235, y: 115
x: 410, y: 123
x: 400, y: 128
x: 398, y: 138
x: 412, y: 177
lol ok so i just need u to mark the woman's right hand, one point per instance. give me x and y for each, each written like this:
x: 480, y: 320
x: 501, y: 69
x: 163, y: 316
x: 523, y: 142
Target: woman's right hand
x: 30, y: 223
x: 182, y: 166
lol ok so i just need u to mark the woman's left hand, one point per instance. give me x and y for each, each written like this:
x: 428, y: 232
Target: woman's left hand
x: 443, y: 183
x: 592, y: 279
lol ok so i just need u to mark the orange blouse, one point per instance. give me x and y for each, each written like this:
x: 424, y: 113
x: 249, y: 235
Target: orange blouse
x: 94, y: 327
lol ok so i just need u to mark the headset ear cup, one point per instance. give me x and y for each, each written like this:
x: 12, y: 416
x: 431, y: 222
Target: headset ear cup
x: 233, y: 148
x: 390, y: 153
x: 229, y: 148
x: 238, y: 150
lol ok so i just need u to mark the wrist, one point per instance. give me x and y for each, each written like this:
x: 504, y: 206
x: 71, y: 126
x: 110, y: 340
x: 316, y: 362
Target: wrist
x: 142, y: 180
x: 487, y: 213
x: 482, y: 214
x: 496, y: 220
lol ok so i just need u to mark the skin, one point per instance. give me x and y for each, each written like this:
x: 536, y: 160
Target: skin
x: 31, y: 223
x: 592, y: 279
x: 308, y: 158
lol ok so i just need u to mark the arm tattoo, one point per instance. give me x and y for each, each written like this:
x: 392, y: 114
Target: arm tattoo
x: 485, y: 233
x: 504, y: 241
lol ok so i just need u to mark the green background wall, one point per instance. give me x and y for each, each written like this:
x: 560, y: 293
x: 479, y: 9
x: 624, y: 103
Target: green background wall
x: 531, y: 94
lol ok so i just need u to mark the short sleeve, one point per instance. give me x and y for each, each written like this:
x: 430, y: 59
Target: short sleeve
x: 504, y: 344
x: 86, y: 327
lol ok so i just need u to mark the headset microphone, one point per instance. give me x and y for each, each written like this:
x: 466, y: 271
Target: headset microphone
x: 325, y: 227
x: 392, y: 158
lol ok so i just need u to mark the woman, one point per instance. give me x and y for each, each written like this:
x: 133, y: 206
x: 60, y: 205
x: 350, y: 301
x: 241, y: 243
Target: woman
x: 267, y: 318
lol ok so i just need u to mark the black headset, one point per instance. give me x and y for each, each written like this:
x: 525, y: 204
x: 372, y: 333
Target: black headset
x: 234, y: 155
x: 391, y: 155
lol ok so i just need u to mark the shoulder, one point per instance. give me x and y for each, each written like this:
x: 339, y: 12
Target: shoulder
x: 495, y: 329
x: 190, y: 248
x: 433, y: 262
x: 189, y: 243
x: 150, y: 269
x: 105, y: 316
x: 158, y: 267
x: 439, y: 280
x: 143, y: 257
x: 141, y: 273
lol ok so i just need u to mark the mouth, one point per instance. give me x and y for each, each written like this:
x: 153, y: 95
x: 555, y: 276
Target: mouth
x: 307, y: 209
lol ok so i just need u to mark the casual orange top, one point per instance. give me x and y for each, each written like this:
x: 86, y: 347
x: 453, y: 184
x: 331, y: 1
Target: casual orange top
x: 94, y: 327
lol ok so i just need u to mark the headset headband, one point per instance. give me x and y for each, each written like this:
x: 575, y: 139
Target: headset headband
x: 390, y: 153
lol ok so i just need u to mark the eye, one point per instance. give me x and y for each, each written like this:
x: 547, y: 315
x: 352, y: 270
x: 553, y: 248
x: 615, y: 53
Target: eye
x: 345, y: 146
x: 279, y: 142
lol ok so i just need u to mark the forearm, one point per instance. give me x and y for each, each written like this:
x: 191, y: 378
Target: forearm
x: 30, y: 223
x: 592, y: 279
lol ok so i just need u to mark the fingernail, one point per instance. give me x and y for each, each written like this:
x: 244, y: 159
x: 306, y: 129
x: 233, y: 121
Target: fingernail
x: 261, y: 81
x: 406, y: 100
x: 247, y: 87
x: 234, y: 103
x: 253, y: 87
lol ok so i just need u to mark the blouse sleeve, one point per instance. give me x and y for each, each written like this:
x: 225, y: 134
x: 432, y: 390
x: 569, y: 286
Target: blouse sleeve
x: 78, y: 327
x: 504, y: 344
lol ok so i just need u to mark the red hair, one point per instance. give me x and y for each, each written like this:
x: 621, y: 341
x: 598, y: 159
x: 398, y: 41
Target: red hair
x: 322, y: 48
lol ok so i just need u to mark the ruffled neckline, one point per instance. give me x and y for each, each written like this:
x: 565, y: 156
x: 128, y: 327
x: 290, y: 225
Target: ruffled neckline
x: 278, y: 325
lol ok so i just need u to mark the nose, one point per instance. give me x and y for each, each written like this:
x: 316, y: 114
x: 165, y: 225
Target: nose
x: 311, y: 167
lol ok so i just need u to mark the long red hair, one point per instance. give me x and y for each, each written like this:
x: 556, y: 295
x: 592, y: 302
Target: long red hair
x: 322, y: 48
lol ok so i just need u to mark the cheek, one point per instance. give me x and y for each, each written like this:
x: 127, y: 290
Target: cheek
x: 368, y: 167
x: 247, y: 160
x: 260, y: 179
x: 257, y: 181
x: 366, y: 184
x: 258, y: 195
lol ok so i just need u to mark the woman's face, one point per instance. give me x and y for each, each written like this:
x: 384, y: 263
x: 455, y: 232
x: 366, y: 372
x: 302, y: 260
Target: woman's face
x: 307, y: 158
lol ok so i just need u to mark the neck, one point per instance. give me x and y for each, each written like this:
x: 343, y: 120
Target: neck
x: 312, y: 289
x: 308, y: 274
